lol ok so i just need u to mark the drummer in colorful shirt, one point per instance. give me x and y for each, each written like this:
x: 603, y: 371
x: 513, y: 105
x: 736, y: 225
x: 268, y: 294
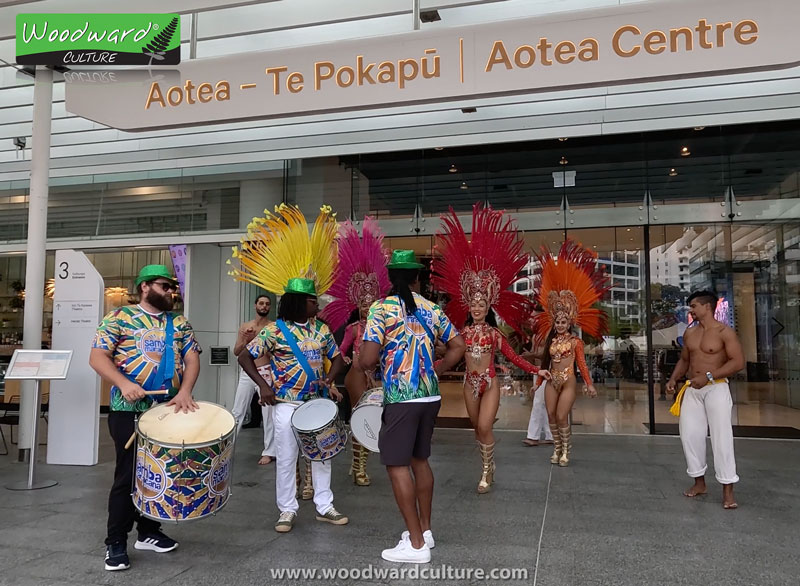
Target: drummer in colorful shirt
x: 129, y: 352
x: 402, y: 331
x: 297, y: 312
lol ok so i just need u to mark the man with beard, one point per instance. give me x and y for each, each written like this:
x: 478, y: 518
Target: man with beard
x: 131, y: 350
x: 247, y: 388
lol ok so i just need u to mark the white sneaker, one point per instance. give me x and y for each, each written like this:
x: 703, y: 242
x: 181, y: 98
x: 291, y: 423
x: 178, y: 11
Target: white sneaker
x: 404, y: 552
x: 426, y: 535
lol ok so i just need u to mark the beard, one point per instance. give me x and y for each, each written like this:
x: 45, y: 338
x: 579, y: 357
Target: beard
x: 262, y: 313
x: 160, y: 302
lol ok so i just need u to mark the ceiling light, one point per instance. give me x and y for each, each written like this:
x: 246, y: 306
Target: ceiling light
x: 628, y: 229
x: 453, y: 169
x: 563, y: 161
x: 563, y: 139
x: 673, y: 172
x: 698, y: 128
x: 464, y: 185
x: 685, y: 152
x: 438, y: 148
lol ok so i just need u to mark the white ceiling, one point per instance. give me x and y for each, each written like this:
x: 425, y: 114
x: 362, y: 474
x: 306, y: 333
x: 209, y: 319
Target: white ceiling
x: 82, y: 150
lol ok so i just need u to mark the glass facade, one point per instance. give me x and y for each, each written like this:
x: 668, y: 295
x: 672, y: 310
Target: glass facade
x: 667, y: 212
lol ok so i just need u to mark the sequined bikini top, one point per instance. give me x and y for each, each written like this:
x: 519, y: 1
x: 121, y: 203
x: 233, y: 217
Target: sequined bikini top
x: 561, y: 347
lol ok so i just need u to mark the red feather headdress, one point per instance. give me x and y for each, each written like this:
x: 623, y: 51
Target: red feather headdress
x: 570, y: 285
x: 361, y: 274
x: 482, y: 266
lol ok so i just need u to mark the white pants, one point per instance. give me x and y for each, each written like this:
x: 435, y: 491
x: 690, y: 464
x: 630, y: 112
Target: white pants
x: 538, y: 421
x: 286, y: 466
x: 244, y: 394
x: 705, y: 409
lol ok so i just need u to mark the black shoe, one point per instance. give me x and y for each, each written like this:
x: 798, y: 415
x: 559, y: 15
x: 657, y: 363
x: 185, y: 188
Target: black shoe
x: 157, y: 542
x: 117, y: 557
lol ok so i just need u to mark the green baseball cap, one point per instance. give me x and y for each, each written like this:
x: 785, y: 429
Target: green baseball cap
x: 153, y: 272
x: 404, y: 259
x: 302, y: 286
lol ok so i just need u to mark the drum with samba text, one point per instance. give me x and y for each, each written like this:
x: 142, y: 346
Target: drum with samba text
x: 184, y: 462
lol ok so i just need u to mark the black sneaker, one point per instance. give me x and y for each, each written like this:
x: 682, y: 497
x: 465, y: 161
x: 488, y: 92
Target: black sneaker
x: 157, y: 542
x: 117, y: 557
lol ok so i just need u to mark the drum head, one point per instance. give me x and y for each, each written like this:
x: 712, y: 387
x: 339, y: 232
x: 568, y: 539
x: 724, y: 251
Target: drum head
x: 207, y: 424
x: 365, y: 424
x: 314, y: 414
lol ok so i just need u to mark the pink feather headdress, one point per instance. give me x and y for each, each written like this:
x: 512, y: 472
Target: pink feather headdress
x: 361, y: 275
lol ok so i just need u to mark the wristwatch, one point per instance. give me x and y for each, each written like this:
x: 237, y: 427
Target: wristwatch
x: 710, y: 377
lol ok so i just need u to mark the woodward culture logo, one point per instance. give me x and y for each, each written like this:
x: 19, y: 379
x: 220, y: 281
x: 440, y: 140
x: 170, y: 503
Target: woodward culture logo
x: 98, y: 39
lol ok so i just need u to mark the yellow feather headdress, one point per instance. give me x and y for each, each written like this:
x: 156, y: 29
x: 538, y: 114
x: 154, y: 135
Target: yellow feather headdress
x: 278, y: 247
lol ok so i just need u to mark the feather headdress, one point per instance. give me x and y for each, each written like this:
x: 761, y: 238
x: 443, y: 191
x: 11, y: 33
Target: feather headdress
x: 482, y: 266
x: 569, y: 286
x: 278, y: 247
x: 361, y: 275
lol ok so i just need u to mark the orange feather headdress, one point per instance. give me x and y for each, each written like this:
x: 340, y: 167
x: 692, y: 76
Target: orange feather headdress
x: 569, y: 286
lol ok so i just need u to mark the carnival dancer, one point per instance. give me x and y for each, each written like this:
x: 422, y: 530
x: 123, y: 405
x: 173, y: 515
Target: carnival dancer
x: 402, y: 331
x: 712, y: 352
x: 361, y: 279
x: 139, y: 348
x: 279, y: 255
x: 567, y: 288
x: 476, y: 273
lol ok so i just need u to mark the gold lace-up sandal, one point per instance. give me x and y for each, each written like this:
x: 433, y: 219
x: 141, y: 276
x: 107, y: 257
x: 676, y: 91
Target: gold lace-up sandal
x: 565, y: 433
x: 556, y: 444
x: 487, y: 473
x: 308, y: 487
x: 358, y: 468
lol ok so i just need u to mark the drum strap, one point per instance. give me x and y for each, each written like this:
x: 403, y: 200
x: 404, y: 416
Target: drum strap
x: 301, y: 358
x: 166, y: 367
x: 424, y: 324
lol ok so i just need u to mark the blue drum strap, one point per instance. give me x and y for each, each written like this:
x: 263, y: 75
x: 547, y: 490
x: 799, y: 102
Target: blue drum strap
x: 166, y: 368
x: 298, y: 354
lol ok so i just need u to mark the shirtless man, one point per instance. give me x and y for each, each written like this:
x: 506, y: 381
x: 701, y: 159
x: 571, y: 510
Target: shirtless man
x: 711, y: 353
x: 247, y: 388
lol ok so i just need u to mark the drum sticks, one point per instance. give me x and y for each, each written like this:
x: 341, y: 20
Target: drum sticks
x: 133, y: 435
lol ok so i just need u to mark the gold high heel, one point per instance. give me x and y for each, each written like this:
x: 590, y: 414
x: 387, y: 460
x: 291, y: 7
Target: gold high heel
x: 358, y: 468
x: 556, y: 443
x: 487, y: 474
x: 566, y: 445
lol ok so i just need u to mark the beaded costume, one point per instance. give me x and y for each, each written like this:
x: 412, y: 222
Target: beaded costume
x: 361, y: 278
x: 482, y: 268
x: 568, y: 286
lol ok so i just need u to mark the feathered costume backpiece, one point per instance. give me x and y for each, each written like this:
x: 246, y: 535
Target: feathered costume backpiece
x: 569, y: 286
x: 481, y: 267
x: 278, y: 247
x: 361, y: 275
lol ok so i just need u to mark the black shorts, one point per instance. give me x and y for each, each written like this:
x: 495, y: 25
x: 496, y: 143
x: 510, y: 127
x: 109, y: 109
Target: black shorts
x: 406, y: 431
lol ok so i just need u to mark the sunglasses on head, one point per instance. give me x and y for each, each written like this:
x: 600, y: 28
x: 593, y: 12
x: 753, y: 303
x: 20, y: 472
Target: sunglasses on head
x: 165, y: 286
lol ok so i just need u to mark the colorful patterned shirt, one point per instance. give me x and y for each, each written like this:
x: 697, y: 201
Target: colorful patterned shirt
x: 136, y: 341
x: 407, y: 351
x: 315, y: 341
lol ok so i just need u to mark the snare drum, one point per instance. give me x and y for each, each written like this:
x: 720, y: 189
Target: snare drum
x: 318, y: 430
x: 183, y: 462
x: 365, y: 422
